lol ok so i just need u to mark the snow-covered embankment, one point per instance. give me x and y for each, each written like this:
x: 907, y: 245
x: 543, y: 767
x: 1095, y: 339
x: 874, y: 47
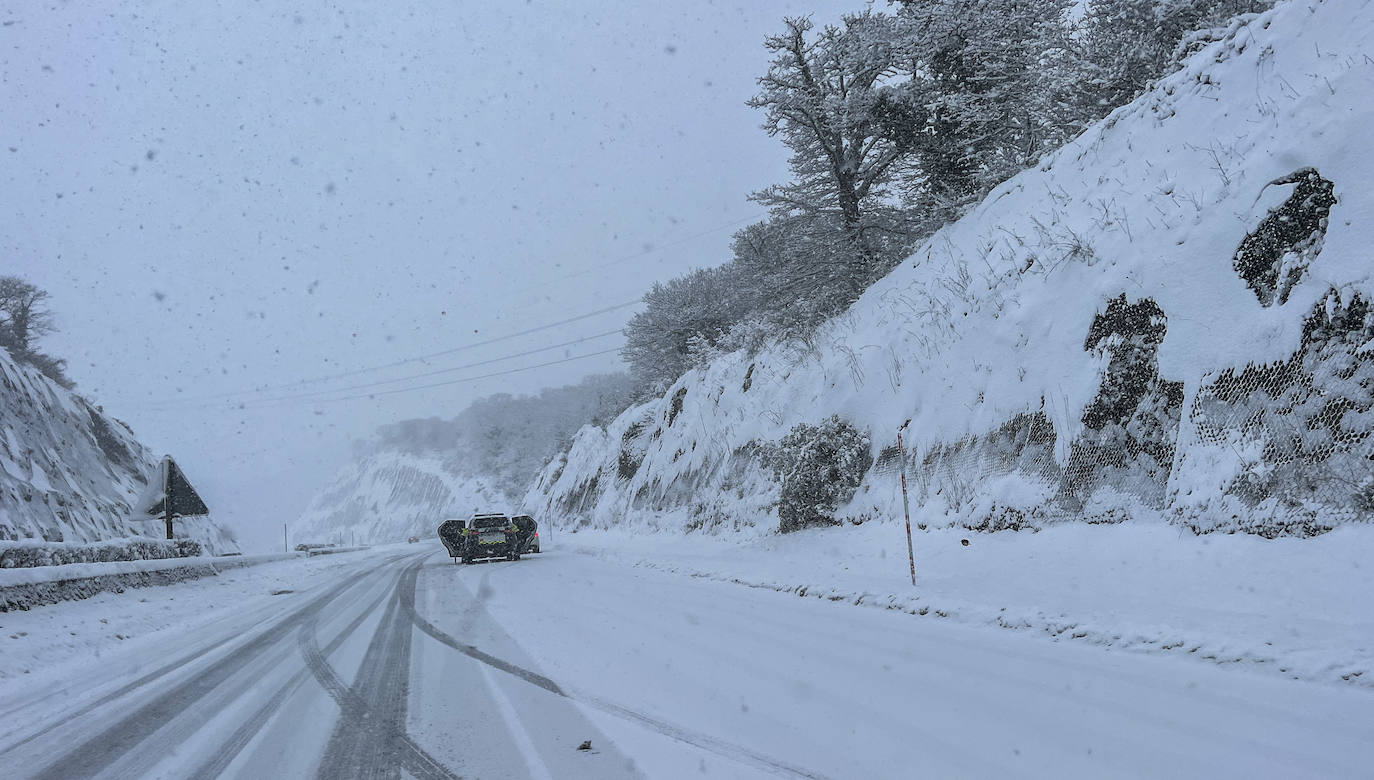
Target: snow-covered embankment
x: 71, y: 473
x: 1167, y: 320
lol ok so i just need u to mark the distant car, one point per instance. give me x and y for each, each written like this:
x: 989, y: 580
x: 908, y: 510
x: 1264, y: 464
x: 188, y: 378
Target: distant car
x: 305, y: 547
x: 529, y: 533
x: 413, y: 539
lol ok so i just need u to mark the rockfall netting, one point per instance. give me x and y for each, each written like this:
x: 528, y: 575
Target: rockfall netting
x: 1277, y: 449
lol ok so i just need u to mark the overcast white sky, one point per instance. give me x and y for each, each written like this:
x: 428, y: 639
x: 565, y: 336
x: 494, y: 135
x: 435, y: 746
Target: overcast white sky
x: 223, y: 196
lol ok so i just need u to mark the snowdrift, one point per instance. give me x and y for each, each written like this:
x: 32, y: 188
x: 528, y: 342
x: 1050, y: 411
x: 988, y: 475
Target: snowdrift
x: 1167, y: 320
x: 70, y: 473
x: 389, y: 496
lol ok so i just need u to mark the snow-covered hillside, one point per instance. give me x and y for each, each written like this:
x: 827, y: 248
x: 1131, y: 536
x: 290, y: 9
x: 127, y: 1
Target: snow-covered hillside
x: 69, y: 472
x: 1167, y: 319
x: 389, y: 496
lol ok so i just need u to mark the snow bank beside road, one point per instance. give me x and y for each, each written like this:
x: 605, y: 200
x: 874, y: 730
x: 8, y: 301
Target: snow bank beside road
x: 26, y: 588
x: 1292, y: 607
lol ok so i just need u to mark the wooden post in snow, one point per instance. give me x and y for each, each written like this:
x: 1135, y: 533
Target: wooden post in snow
x: 906, y: 504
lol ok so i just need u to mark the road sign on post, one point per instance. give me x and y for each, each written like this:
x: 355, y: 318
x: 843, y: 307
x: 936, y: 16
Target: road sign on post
x: 906, y: 504
x: 173, y: 496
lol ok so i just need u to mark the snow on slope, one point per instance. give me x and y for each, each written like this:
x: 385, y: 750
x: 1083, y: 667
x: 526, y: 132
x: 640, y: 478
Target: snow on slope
x: 389, y: 496
x: 1007, y: 343
x: 70, y: 473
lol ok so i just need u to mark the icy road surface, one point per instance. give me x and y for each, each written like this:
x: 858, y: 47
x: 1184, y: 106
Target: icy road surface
x: 400, y: 664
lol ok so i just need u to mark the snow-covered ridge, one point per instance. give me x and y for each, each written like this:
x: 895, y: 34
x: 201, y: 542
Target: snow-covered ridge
x: 1168, y: 318
x: 389, y: 496
x: 69, y: 472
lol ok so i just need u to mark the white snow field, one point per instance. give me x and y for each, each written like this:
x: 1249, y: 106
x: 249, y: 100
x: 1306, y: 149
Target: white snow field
x: 396, y: 662
x: 1269, y: 606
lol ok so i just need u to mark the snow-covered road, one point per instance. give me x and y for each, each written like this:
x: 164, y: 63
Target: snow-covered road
x: 398, y: 663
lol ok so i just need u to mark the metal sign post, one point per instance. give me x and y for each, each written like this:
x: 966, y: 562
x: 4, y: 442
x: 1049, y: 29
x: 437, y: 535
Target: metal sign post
x: 167, y: 499
x: 177, y: 499
x: 906, y: 504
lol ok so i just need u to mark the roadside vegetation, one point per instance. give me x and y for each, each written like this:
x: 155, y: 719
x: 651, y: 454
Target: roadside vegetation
x: 898, y: 121
x: 24, y: 320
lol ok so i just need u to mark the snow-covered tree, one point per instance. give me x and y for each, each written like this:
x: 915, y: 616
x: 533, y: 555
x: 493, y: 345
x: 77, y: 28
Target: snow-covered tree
x: 897, y: 122
x: 820, y: 467
x: 822, y: 95
x: 985, y: 92
x: 661, y: 341
x: 1126, y: 44
x: 24, y: 319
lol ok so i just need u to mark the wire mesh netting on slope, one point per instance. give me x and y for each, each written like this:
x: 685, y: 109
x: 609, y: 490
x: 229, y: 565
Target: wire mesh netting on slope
x: 1276, y: 449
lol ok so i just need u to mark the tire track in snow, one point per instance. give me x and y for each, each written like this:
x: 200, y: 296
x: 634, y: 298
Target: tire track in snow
x: 722, y: 748
x: 113, y: 743
x: 369, y: 739
x: 216, y: 764
x: 125, y: 689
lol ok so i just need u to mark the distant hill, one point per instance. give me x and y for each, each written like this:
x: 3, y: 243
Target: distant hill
x: 388, y: 496
x: 414, y: 473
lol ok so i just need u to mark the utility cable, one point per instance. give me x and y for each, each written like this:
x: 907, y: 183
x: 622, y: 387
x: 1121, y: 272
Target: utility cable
x: 308, y: 397
x: 440, y: 372
x: 406, y: 361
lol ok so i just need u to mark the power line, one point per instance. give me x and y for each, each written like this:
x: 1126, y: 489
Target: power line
x: 308, y: 397
x: 176, y: 402
x: 406, y: 361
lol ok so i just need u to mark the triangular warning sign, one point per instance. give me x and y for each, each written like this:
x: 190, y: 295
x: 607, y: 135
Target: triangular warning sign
x: 170, y: 481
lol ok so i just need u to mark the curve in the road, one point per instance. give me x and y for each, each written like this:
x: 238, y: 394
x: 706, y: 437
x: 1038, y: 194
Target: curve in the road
x: 706, y: 742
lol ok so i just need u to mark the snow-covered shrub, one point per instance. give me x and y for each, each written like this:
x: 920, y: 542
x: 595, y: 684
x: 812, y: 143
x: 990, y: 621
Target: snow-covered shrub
x: 1002, y: 518
x: 820, y: 467
x: 682, y: 320
x: 25, y: 554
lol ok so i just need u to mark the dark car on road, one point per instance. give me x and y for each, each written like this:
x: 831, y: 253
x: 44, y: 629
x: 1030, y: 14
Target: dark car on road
x: 491, y: 535
x: 529, y: 533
